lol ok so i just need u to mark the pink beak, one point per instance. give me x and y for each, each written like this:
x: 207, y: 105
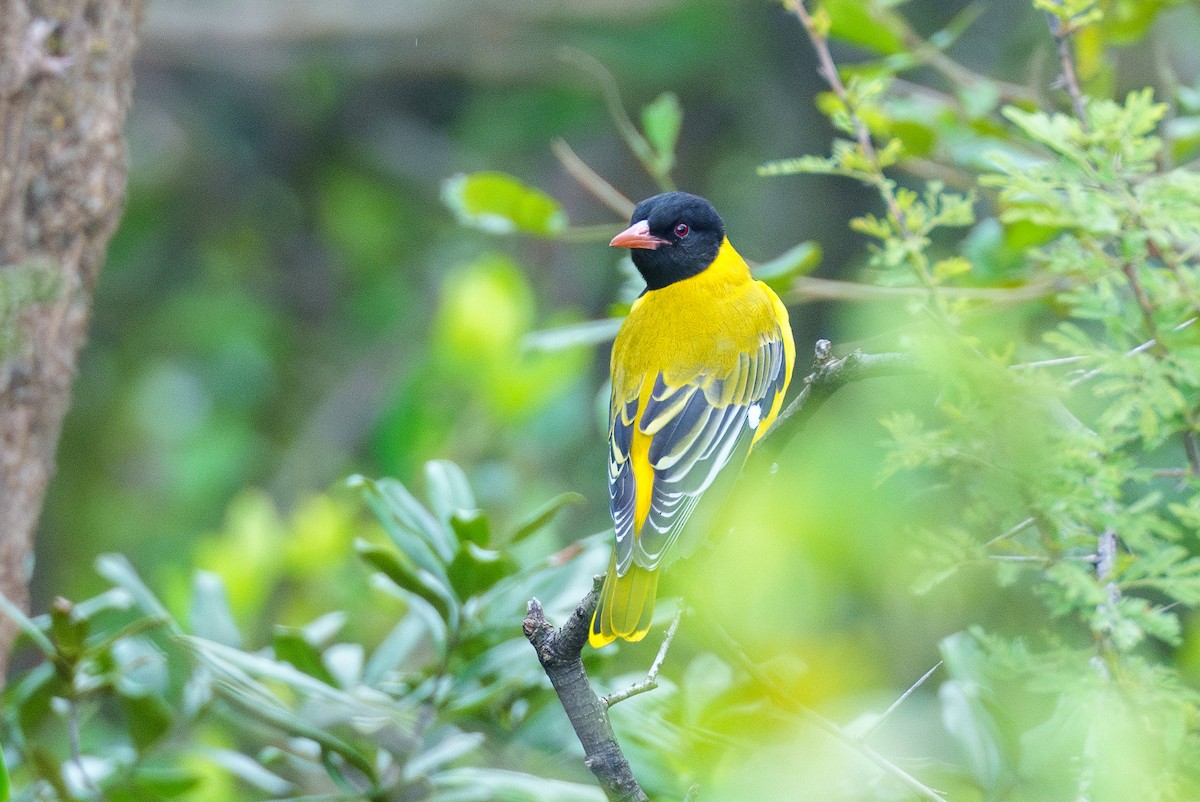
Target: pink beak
x: 637, y: 236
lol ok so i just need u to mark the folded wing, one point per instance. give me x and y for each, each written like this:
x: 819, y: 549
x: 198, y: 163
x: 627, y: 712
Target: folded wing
x: 694, y: 429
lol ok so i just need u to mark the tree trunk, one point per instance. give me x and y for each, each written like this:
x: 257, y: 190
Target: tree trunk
x: 65, y: 84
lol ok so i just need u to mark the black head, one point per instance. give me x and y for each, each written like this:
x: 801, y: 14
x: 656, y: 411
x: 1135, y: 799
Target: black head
x: 672, y: 236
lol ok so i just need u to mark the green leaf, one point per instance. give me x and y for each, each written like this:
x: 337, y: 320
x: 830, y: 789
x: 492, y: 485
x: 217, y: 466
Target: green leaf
x: 116, y: 569
x: 449, y: 749
x: 31, y: 696
x: 293, y: 646
x: 419, y: 609
x: 68, y: 632
x: 111, y: 599
x: 539, y: 518
x: 662, y: 121
x: 468, y: 784
x: 141, y: 667
x: 210, y: 615
x: 394, y: 649
x: 411, y: 578
x: 417, y: 532
x: 471, y: 526
x: 448, y: 489
x: 852, y: 21
x: 5, y: 789
x: 476, y: 569
x: 500, y: 204
x: 148, y: 719
x: 26, y: 625
x: 249, y: 771
x: 167, y: 782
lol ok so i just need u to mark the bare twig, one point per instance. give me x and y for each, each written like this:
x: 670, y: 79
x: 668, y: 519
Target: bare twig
x: 76, y: 753
x: 935, y: 56
x: 651, y: 680
x: 559, y: 651
x: 808, y: 288
x: 1191, y: 447
x: 1016, y: 530
x: 592, y: 181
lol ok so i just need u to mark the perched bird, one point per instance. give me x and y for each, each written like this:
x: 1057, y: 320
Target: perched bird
x: 699, y: 370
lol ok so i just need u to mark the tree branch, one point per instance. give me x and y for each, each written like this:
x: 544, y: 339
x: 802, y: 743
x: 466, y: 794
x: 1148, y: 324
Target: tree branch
x: 1070, y: 78
x: 65, y: 85
x: 651, y: 680
x: 830, y: 373
x: 559, y: 651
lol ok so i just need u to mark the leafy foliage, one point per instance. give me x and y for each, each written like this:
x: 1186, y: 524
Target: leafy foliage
x: 134, y: 702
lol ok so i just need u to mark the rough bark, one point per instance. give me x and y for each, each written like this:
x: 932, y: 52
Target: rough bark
x: 560, y: 653
x: 65, y: 85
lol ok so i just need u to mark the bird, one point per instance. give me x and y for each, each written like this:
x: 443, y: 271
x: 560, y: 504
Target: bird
x: 699, y: 371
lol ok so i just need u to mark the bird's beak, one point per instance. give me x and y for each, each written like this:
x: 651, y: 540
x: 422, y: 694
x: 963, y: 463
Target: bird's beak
x: 637, y: 236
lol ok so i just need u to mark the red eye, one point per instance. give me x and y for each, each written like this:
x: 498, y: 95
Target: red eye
x: 681, y: 230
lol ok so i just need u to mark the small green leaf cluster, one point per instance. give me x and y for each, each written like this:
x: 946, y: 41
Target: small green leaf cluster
x: 1123, y: 231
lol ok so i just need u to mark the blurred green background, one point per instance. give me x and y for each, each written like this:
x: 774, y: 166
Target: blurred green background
x: 288, y: 302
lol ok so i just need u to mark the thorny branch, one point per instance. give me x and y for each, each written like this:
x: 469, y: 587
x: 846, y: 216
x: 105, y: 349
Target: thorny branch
x: 1070, y: 79
x: 1158, y: 348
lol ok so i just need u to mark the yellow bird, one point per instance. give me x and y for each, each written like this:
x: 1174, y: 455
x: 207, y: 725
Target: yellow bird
x: 699, y: 371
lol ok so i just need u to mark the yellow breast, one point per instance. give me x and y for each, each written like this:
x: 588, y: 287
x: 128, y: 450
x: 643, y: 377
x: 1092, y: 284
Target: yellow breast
x: 697, y: 325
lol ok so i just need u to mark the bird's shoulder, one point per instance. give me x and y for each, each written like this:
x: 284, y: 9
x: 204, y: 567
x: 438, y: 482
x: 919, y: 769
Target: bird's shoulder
x: 694, y: 333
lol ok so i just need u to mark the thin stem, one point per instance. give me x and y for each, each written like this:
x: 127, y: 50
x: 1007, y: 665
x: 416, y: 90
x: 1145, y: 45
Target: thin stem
x: 1146, y: 305
x: 813, y: 288
x: 1049, y: 363
x: 903, y: 698
x: 1016, y: 530
x: 651, y: 680
x: 806, y: 713
x: 1069, y: 77
x: 935, y: 55
x: 638, y: 145
x: 592, y: 181
x: 1191, y: 448
x: 76, y: 752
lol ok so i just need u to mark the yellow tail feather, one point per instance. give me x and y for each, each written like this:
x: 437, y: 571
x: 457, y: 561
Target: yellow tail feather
x: 626, y: 605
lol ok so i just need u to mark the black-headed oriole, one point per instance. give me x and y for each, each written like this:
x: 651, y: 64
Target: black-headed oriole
x: 699, y: 371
